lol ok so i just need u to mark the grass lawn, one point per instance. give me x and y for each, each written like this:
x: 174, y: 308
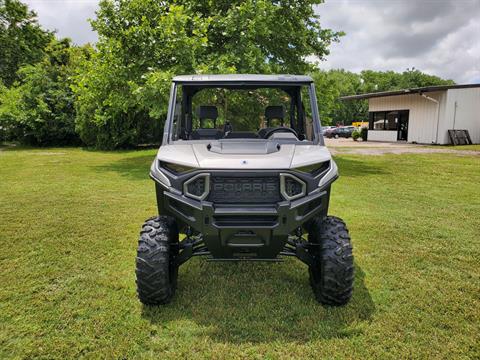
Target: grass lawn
x: 69, y: 224
x: 474, y: 147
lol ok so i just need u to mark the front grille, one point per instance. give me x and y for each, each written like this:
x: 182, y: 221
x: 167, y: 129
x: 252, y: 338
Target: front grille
x: 245, y: 220
x: 244, y: 190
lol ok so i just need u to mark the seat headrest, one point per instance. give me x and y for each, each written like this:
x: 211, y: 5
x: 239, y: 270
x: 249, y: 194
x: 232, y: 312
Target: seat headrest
x: 207, y: 112
x: 275, y: 112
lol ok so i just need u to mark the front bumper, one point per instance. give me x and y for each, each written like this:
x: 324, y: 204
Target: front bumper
x: 243, y: 231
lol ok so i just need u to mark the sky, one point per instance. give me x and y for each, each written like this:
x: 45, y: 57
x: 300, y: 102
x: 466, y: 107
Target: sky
x: 439, y: 37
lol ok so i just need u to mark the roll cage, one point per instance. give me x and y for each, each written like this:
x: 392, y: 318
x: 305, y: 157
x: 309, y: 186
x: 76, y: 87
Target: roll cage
x: 289, y: 84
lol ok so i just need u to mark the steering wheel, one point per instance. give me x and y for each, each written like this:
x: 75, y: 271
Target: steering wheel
x: 279, y: 129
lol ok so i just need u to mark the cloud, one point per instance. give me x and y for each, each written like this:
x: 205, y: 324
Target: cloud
x: 439, y: 37
x: 68, y: 17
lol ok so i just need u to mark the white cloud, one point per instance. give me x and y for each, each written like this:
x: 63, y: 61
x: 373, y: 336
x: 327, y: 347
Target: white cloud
x: 438, y: 37
x: 68, y: 17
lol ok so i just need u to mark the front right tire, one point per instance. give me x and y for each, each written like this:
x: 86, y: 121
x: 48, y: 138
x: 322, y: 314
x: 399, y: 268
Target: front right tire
x: 156, y: 268
x: 332, y: 271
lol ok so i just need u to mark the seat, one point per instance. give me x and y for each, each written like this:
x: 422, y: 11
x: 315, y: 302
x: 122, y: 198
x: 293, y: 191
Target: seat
x: 271, y: 113
x: 274, y: 112
x: 205, y: 112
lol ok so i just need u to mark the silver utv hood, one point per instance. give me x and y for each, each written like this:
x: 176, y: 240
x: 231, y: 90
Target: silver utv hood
x: 243, y: 155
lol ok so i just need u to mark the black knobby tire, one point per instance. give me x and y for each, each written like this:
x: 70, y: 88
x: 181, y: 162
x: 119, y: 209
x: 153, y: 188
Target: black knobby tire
x: 332, y: 272
x: 156, y: 269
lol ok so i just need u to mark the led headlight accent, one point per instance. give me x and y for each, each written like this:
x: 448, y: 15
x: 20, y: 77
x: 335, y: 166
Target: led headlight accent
x: 158, y: 176
x: 197, y: 187
x: 174, y: 168
x: 314, y: 169
x: 332, y: 173
x: 292, y: 187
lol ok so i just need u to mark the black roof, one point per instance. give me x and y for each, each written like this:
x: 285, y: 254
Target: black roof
x: 243, y: 78
x: 419, y: 90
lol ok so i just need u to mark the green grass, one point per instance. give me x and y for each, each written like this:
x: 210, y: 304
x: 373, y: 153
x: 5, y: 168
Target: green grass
x: 68, y: 230
x: 474, y: 147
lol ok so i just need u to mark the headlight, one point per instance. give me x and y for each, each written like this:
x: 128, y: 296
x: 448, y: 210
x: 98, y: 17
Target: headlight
x: 197, y: 187
x: 314, y: 169
x: 174, y: 168
x: 292, y: 187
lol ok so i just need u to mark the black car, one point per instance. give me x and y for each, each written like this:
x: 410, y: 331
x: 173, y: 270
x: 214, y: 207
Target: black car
x: 342, y: 131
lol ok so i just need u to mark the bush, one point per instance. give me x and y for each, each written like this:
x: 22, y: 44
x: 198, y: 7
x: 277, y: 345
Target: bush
x: 355, y: 135
x: 131, y: 115
x: 364, y: 133
x: 39, y: 109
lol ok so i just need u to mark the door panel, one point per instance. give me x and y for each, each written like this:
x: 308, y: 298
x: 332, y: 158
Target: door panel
x: 402, y: 126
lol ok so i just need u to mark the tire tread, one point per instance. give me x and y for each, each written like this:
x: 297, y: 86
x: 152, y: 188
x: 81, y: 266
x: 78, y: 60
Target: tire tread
x: 156, y: 273
x: 332, y: 274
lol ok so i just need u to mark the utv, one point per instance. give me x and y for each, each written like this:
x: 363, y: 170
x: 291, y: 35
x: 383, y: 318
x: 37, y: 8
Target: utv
x: 244, y: 173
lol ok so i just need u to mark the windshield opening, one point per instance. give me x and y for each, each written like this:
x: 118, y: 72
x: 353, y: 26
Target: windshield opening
x: 213, y: 112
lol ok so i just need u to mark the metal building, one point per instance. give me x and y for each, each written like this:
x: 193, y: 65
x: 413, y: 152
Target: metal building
x: 423, y: 115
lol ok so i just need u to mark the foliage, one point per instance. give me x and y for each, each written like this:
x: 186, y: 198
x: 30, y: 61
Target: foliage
x: 355, y: 135
x: 389, y: 80
x: 332, y: 84
x: 39, y: 110
x: 364, y: 133
x: 143, y: 43
x: 22, y: 40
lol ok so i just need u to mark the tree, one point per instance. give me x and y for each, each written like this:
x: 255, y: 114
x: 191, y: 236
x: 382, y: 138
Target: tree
x: 22, y: 40
x: 39, y: 110
x: 142, y: 43
x: 333, y: 84
x: 389, y: 80
x: 330, y: 86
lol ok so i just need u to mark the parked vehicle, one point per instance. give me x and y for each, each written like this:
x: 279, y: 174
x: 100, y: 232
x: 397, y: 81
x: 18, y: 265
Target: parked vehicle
x: 342, y: 131
x: 242, y: 193
x: 327, y: 128
x: 330, y: 133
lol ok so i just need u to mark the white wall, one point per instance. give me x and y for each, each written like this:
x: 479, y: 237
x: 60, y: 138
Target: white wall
x: 462, y: 111
x: 382, y: 135
x: 423, y: 115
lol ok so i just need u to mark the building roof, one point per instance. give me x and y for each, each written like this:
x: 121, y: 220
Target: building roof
x: 419, y: 90
x: 241, y: 78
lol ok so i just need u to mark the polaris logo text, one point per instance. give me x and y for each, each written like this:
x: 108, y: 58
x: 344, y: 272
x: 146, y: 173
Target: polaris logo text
x: 257, y: 187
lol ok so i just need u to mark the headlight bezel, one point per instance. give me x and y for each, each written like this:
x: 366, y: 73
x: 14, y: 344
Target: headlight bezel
x: 175, y: 169
x: 206, y: 190
x: 283, y: 189
x: 315, y: 169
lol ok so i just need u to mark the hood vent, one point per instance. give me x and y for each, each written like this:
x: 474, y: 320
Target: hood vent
x: 244, y: 147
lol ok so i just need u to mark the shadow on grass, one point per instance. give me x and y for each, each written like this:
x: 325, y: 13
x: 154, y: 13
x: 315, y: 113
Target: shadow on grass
x: 135, y: 167
x: 17, y: 147
x: 358, y: 168
x: 259, y: 303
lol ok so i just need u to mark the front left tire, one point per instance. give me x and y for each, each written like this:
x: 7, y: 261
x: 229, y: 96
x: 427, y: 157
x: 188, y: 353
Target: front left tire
x: 156, y: 268
x: 332, y: 271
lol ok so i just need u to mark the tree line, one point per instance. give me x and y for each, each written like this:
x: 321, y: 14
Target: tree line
x: 114, y: 94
